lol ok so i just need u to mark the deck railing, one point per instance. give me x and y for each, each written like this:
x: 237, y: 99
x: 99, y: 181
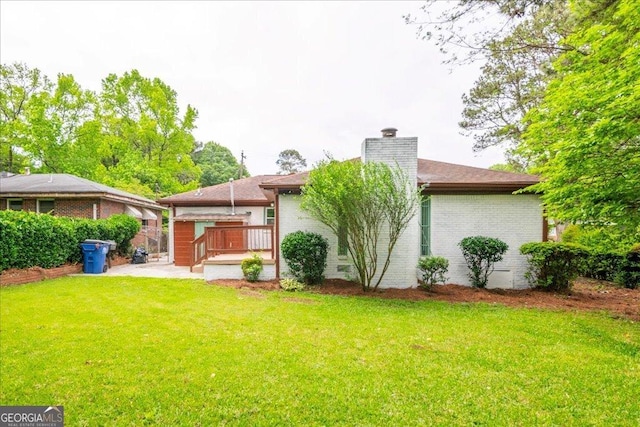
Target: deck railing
x: 198, y: 251
x: 232, y: 239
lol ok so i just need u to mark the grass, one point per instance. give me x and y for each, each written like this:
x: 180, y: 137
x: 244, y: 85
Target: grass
x: 131, y: 351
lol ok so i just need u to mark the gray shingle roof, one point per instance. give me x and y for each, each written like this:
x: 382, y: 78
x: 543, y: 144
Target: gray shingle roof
x: 246, y: 191
x: 438, y: 175
x: 62, y: 184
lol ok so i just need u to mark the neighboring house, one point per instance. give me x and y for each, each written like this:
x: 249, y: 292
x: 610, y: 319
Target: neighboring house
x: 69, y: 195
x: 463, y: 201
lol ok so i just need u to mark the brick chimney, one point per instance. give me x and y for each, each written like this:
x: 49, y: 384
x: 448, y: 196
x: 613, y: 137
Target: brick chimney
x: 393, y: 151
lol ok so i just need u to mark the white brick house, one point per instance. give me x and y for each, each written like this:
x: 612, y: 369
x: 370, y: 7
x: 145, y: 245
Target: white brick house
x: 463, y: 201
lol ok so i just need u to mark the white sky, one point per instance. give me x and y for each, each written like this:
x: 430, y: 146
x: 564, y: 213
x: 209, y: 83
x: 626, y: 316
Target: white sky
x: 264, y: 76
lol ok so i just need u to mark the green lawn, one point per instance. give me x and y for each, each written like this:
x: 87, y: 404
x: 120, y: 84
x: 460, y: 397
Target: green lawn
x: 131, y: 351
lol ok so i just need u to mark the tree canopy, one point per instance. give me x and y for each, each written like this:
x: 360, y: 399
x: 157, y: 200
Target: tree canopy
x: 517, y: 40
x: 585, y: 135
x: 145, y: 138
x: 559, y: 92
x: 290, y: 161
x: 131, y: 134
x: 217, y: 164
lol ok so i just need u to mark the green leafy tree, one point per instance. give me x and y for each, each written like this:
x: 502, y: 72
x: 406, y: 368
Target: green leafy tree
x: 370, y: 203
x: 290, y: 161
x: 63, y: 129
x: 18, y: 85
x: 146, y: 140
x: 585, y: 136
x: 217, y: 164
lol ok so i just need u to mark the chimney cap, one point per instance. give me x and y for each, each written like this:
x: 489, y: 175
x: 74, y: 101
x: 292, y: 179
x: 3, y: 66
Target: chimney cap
x: 389, y: 132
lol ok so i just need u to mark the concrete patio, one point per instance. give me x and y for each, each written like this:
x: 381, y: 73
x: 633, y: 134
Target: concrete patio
x: 153, y: 268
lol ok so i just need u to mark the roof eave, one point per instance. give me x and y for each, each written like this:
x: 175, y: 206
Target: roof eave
x: 205, y: 202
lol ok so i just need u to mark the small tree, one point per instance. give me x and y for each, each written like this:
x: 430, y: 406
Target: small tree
x: 306, y: 256
x: 362, y: 201
x: 481, y: 253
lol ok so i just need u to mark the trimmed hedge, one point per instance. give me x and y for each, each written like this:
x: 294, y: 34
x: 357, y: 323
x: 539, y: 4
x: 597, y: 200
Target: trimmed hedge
x: 629, y: 273
x: 29, y: 239
x: 433, y: 270
x: 306, y: 256
x: 602, y: 264
x: 553, y: 265
x: 481, y: 253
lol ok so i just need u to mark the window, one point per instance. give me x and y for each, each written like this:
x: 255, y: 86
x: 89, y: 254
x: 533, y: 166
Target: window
x: 14, y: 204
x: 145, y: 224
x: 425, y: 228
x: 45, y: 206
x: 343, y: 241
x: 269, y: 216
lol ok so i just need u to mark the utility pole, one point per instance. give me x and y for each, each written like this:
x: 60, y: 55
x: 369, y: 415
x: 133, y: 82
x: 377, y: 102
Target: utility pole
x: 242, y: 157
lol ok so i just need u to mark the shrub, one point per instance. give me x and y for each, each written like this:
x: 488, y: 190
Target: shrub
x: 252, y: 267
x: 604, y: 238
x: 9, y: 238
x: 37, y: 240
x: 291, y: 285
x: 602, y: 264
x: 629, y: 274
x: 481, y: 253
x: 29, y: 239
x: 306, y: 256
x: 553, y: 265
x: 433, y: 270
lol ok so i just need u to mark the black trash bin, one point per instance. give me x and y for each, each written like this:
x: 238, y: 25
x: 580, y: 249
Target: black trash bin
x: 139, y: 256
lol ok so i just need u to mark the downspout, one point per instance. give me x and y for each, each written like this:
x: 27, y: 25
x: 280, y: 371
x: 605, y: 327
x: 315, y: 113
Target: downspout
x: 233, y: 207
x: 276, y: 231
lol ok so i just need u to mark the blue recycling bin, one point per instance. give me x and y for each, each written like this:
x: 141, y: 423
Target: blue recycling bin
x: 94, y: 254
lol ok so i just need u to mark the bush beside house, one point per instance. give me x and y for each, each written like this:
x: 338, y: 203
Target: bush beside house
x: 306, y: 256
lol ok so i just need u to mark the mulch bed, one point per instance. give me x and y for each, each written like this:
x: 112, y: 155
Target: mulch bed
x: 586, y: 295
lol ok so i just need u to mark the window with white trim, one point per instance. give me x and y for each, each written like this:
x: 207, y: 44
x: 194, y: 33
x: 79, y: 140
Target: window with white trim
x: 269, y: 215
x: 14, y: 204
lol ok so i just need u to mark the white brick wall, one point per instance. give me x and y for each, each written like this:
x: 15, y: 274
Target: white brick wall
x: 514, y: 219
x: 234, y: 271
x: 292, y: 218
